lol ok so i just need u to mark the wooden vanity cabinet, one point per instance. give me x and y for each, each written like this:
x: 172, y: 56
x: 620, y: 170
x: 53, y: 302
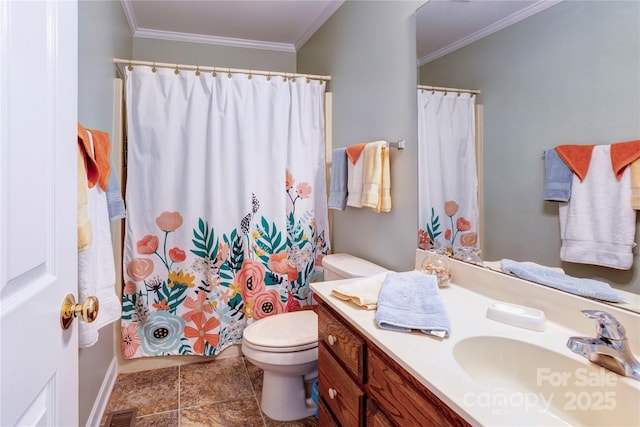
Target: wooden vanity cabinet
x: 360, y: 385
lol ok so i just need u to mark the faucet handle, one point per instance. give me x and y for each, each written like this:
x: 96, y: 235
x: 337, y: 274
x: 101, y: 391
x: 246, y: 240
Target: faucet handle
x: 607, y: 326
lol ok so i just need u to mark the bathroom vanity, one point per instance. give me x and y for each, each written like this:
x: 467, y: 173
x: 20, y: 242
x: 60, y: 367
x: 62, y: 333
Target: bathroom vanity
x: 361, y: 385
x: 486, y: 373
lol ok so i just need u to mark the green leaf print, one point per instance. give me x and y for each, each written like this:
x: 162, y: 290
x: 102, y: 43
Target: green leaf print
x: 435, y: 225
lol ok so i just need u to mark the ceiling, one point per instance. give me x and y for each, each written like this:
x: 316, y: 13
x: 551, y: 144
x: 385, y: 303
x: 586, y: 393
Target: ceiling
x: 285, y: 25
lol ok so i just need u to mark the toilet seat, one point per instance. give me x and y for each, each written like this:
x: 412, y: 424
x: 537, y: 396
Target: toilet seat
x: 283, y: 333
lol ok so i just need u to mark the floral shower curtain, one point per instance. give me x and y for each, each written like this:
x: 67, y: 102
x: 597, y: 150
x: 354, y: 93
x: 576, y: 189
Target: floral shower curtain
x: 226, y: 206
x: 447, y: 173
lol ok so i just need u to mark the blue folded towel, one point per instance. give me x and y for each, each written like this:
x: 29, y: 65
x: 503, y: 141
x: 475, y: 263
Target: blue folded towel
x: 412, y: 301
x: 338, y: 187
x: 558, y: 178
x: 585, y: 287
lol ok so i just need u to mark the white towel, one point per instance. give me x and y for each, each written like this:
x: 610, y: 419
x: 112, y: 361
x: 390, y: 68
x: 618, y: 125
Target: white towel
x: 96, y: 269
x: 598, y: 224
x: 363, y: 292
x: 354, y: 182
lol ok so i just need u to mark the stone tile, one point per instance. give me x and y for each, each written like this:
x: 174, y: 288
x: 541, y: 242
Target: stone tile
x: 150, y: 391
x: 305, y: 422
x: 217, y: 381
x: 232, y: 413
x: 164, y: 419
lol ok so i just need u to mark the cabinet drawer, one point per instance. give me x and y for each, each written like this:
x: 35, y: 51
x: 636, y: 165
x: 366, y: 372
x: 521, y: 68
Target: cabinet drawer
x: 325, y: 418
x: 375, y: 417
x: 338, y: 391
x: 405, y: 401
x: 347, y: 346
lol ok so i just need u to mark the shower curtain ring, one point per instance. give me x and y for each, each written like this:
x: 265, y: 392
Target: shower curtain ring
x: 213, y: 73
x: 269, y: 76
x: 153, y: 69
x: 130, y: 68
x: 229, y: 75
x: 308, y: 79
x: 176, y: 71
x: 197, y: 70
x: 249, y: 74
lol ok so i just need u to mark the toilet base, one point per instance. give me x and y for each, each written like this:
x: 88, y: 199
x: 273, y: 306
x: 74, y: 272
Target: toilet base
x: 284, y: 397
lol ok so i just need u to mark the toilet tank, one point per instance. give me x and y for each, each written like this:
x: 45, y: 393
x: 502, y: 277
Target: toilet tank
x: 345, y: 266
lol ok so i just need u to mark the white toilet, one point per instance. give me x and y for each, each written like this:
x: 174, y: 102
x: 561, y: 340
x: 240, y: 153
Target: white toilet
x: 285, y: 347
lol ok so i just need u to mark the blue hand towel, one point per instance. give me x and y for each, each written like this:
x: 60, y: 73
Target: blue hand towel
x: 338, y: 187
x: 585, y: 287
x: 115, y: 204
x: 558, y: 177
x: 412, y: 301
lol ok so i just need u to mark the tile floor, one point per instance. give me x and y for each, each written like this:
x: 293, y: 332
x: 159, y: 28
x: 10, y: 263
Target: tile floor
x: 222, y: 393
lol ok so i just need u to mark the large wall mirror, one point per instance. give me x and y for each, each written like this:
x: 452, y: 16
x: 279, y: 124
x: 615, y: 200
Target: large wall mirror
x: 567, y: 74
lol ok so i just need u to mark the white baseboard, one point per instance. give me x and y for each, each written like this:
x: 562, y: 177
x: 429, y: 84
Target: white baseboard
x: 99, y: 406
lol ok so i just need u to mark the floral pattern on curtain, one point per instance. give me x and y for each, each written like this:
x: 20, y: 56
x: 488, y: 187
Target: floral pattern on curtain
x: 447, y: 173
x: 226, y: 207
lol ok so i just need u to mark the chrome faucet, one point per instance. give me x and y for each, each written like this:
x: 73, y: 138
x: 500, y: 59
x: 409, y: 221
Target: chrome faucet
x: 610, y: 348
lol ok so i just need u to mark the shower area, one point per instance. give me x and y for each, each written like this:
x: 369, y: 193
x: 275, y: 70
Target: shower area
x: 225, y: 179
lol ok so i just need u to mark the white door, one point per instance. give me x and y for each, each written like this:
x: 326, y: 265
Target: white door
x: 38, y: 211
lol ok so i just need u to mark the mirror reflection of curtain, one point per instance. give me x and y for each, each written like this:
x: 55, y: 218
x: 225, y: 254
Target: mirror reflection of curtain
x: 447, y: 172
x: 226, y: 206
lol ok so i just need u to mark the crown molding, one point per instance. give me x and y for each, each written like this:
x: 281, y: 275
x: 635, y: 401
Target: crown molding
x: 223, y: 41
x: 503, y: 23
x: 128, y: 13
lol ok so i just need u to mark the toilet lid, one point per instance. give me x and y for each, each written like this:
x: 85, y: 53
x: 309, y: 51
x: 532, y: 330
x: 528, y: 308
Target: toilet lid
x: 293, y: 331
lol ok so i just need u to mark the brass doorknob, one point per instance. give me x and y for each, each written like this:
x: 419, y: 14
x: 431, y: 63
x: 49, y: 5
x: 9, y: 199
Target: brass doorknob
x: 87, y: 311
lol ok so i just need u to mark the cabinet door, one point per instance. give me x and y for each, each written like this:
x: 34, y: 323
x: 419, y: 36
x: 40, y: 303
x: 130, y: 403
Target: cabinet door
x: 405, y: 401
x: 340, y: 393
x: 375, y: 417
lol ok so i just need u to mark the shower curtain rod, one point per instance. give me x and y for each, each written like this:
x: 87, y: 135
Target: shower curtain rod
x: 177, y: 67
x: 449, y: 89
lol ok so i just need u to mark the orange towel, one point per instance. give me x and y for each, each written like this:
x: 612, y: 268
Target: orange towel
x: 577, y: 157
x: 354, y: 151
x: 99, y: 165
x: 623, y: 154
x: 93, y: 173
x: 102, y: 148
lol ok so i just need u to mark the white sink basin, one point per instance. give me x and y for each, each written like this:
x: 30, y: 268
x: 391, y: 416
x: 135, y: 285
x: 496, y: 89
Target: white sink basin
x: 550, y: 387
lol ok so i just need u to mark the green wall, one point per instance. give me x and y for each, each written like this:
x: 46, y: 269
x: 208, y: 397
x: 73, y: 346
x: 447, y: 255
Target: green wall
x: 369, y: 49
x: 567, y: 75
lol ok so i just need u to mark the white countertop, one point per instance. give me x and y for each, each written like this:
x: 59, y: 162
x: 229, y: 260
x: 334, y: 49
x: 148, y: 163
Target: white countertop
x: 431, y: 360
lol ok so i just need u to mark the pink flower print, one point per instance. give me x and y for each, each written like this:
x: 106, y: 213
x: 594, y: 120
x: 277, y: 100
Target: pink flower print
x: 223, y: 253
x: 140, y: 268
x: 292, y: 304
x: 450, y: 208
x: 147, y: 245
x: 304, y: 190
x: 251, y: 277
x: 447, y: 234
x: 130, y: 340
x: 278, y: 262
x: 196, y: 306
x: 225, y: 296
x: 169, y: 221
x: 289, y: 181
x: 463, y: 224
x: 201, y: 332
x: 469, y: 239
x: 292, y: 274
x: 177, y: 255
x: 130, y: 288
x: 266, y: 304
